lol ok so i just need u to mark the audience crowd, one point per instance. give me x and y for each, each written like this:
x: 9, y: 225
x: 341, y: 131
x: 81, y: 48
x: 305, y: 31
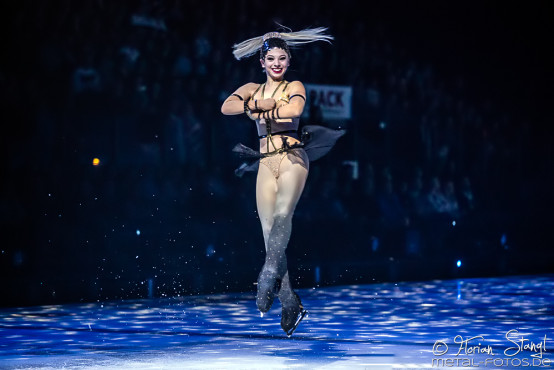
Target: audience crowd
x: 139, y: 86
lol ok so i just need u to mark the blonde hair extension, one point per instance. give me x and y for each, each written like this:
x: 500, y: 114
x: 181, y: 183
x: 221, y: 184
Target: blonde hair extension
x: 248, y: 47
x: 253, y: 45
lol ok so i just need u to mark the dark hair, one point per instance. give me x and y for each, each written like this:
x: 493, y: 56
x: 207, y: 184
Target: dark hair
x: 274, y: 42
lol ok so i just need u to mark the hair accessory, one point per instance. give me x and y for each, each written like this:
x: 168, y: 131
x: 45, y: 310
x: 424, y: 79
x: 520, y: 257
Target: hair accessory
x: 270, y: 35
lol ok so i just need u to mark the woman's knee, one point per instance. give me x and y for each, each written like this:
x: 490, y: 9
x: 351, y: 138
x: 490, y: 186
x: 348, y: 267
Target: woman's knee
x: 282, y: 213
x: 266, y: 226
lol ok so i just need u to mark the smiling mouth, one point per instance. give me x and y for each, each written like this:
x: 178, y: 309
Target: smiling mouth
x: 277, y: 70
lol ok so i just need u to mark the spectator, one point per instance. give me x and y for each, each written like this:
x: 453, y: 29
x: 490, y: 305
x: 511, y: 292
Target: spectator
x: 436, y: 197
x: 452, y: 207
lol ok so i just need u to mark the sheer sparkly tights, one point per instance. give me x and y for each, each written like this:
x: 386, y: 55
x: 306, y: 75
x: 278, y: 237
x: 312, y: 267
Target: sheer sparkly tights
x: 279, y: 186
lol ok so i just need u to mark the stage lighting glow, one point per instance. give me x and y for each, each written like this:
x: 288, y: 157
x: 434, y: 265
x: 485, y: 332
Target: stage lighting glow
x: 138, y: 232
x: 95, y: 162
x: 459, y: 263
x: 459, y: 294
x: 453, y: 222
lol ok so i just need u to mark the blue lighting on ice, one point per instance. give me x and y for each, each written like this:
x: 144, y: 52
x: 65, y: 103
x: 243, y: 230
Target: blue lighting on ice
x: 224, y: 331
x: 459, y: 293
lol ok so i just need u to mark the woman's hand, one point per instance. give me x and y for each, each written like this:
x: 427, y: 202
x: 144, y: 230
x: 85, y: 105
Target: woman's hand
x: 266, y: 104
x: 281, y: 103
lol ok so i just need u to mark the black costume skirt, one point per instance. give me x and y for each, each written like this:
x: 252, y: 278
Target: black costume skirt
x: 315, y: 140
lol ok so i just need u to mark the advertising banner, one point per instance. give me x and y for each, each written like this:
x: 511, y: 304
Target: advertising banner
x: 335, y: 102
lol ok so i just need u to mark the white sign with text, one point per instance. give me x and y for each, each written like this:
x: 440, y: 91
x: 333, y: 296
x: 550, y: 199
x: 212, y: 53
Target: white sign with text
x: 335, y: 102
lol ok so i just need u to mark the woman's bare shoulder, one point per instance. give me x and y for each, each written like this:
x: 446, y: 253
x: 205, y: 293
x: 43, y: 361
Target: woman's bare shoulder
x: 296, y: 86
x: 247, y: 90
x: 249, y: 87
x: 252, y: 86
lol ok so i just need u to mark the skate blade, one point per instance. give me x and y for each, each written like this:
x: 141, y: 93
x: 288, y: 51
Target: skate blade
x: 300, y: 317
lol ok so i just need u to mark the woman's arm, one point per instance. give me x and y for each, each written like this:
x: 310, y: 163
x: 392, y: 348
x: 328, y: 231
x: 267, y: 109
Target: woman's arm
x: 234, y: 104
x: 295, y: 107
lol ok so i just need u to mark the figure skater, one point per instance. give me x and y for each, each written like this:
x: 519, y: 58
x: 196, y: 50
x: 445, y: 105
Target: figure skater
x: 282, y: 160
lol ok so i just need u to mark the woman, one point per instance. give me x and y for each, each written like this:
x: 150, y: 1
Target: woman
x: 276, y: 107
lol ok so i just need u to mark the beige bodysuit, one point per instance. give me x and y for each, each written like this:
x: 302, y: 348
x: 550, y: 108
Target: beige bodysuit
x: 273, y: 159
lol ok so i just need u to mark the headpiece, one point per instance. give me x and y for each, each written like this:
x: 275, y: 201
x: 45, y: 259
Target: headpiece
x: 279, y: 39
x: 273, y: 40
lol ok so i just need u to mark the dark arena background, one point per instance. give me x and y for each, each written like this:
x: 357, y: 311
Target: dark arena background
x: 128, y: 241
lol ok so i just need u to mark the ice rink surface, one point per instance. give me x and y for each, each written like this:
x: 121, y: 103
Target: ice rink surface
x: 487, y: 323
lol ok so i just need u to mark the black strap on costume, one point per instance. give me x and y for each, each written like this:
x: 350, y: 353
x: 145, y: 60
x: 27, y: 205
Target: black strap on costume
x: 238, y: 96
x: 280, y: 133
x: 299, y: 95
x: 267, y: 121
x: 286, y: 147
x: 254, y: 94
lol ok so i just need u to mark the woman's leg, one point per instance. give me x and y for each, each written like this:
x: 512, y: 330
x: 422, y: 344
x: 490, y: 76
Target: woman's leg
x: 294, y: 172
x: 266, y: 194
x: 290, y: 184
x: 277, y: 223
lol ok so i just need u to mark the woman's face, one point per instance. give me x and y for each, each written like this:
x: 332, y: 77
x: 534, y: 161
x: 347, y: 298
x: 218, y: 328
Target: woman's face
x: 275, y: 63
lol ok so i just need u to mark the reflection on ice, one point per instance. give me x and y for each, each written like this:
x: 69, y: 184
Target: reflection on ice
x: 373, y: 325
